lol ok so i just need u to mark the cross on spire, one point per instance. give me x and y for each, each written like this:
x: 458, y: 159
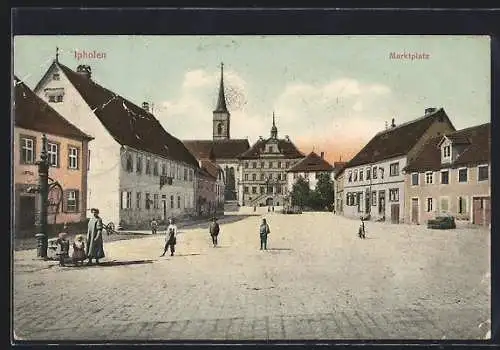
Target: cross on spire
x: 57, y: 54
x: 221, y: 101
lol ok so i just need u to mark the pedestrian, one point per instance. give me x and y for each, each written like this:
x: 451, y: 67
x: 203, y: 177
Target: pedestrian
x: 62, y: 243
x: 264, y: 231
x: 154, y: 226
x: 94, y: 248
x: 78, y: 250
x: 361, y: 231
x: 170, y: 238
x: 273, y: 208
x: 214, y: 230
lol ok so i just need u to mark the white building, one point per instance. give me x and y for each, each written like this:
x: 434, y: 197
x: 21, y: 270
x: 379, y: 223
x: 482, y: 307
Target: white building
x: 309, y: 168
x: 374, y: 176
x: 223, y: 149
x: 136, y: 170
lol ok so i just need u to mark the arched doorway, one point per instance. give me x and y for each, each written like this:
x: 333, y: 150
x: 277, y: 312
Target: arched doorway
x: 269, y: 201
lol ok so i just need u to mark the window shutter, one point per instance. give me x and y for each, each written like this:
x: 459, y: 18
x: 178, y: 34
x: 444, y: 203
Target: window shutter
x: 21, y: 143
x: 65, y: 200
x: 77, y: 200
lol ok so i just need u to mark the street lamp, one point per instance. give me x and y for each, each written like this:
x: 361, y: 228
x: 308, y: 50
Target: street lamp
x: 43, y: 190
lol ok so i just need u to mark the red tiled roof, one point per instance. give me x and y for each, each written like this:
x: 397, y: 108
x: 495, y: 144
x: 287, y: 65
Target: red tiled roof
x: 220, y: 149
x: 397, y: 141
x: 33, y: 113
x: 477, y: 151
x: 286, y: 147
x: 311, y: 163
x: 127, y: 123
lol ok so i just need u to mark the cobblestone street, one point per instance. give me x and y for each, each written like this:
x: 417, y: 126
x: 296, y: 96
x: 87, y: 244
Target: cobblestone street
x: 317, y: 280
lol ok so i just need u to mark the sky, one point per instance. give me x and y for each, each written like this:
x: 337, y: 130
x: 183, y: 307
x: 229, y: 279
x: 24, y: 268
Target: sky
x: 329, y: 94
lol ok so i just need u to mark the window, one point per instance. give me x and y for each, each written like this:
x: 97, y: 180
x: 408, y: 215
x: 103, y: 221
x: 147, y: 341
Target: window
x: 446, y: 151
x: 178, y: 201
x: 254, y: 190
x: 261, y: 176
x: 287, y: 165
x: 349, y: 178
x: 414, y: 179
x: 368, y: 173
x: 246, y: 177
x: 185, y: 174
x: 245, y: 189
x: 393, y: 194
x: 88, y: 160
x: 254, y: 177
x: 306, y: 175
x: 72, y: 157
x: 126, y: 200
x: 246, y: 165
x: 462, y: 205
x: 56, y: 76
x: 271, y: 164
x: 444, y: 204
x: 482, y: 172
x: 294, y: 176
x: 278, y: 189
x: 148, y: 166
x: 429, y: 205
x: 254, y: 165
x: 374, y: 198
x: 374, y: 172
x: 279, y: 164
x: 262, y: 189
x: 70, y: 201
x: 261, y: 164
x: 394, y: 169
x: 27, y: 150
x: 147, y: 201
x: 138, y: 200
x: 381, y: 172
x: 191, y: 175
x: 270, y: 149
x: 172, y: 202
x: 462, y: 175
x: 155, y: 167
x: 53, y: 153
x: 429, y: 177
x: 156, y: 202
x: 361, y: 175
x: 128, y: 164
x: 138, y: 165
x: 355, y: 175
x: 445, y: 177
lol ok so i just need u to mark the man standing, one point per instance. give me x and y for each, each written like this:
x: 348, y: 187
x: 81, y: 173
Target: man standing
x: 171, y: 238
x: 214, y: 230
x: 264, y: 231
x: 154, y: 226
x: 94, y: 248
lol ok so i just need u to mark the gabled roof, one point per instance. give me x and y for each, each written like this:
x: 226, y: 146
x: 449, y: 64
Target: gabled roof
x: 397, y: 141
x: 311, y: 163
x: 127, y: 123
x: 220, y: 149
x: 476, y: 152
x: 33, y: 113
x: 210, y: 167
x: 286, y: 147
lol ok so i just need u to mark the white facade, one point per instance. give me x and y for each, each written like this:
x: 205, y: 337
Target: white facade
x: 107, y: 177
x: 381, y: 196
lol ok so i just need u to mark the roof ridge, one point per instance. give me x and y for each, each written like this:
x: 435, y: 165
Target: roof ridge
x: 467, y: 129
x: 430, y: 115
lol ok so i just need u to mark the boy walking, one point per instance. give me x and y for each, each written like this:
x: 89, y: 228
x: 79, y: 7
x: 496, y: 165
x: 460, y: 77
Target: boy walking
x: 214, y: 231
x: 264, y: 231
x: 171, y: 238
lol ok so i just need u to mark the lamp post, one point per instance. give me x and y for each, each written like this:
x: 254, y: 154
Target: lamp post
x: 43, y: 189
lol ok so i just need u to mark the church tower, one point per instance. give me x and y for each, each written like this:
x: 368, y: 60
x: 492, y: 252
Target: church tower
x: 221, y: 114
x: 274, y: 130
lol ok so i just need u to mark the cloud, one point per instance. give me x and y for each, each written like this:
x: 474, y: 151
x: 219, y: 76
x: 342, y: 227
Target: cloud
x: 339, y: 116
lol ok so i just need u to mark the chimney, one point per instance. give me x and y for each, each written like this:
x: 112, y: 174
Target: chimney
x: 393, y: 125
x: 430, y: 110
x: 322, y: 155
x: 84, y: 70
x: 145, y: 106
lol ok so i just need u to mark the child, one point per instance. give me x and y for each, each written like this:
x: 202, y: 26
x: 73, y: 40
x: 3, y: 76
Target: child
x: 62, y: 247
x: 79, y: 250
x: 361, y: 231
x: 171, y: 238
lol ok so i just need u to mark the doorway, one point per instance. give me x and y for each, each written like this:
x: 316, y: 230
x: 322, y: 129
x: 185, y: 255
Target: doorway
x: 481, y: 211
x: 395, y: 213
x: 26, y: 212
x: 381, y: 203
x: 414, y: 211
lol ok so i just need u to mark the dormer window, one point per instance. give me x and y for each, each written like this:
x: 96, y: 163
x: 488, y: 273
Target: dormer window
x: 54, y: 95
x: 447, y: 151
x: 56, y: 76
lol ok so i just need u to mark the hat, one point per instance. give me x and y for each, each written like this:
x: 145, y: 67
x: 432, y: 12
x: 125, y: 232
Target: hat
x: 79, y: 238
x: 62, y: 234
x: 94, y: 210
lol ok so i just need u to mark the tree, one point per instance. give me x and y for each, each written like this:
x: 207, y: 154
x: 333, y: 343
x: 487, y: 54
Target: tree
x: 324, y: 191
x: 300, y: 193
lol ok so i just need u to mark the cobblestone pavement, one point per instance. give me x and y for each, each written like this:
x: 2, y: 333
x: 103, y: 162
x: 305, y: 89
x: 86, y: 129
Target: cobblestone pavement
x: 317, y: 280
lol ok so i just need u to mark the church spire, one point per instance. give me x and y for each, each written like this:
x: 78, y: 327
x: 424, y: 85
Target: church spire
x: 274, y: 129
x: 57, y: 54
x: 221, y: 101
